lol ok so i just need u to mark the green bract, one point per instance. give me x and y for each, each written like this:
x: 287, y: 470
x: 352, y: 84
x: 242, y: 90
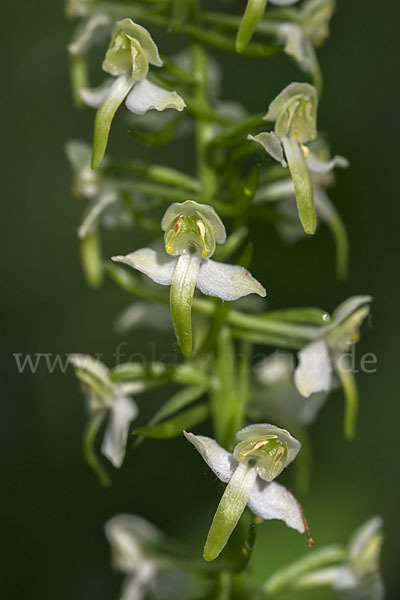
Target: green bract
x: 191, y: 231
x: 261, y: 454
x: 294, y: 111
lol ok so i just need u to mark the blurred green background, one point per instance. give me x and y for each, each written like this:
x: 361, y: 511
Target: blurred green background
x: 53, y: 509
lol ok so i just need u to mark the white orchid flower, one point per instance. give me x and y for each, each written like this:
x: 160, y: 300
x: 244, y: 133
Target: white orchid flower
x: 191, y: 233
x: 136, y: 552
x: 106, y: 399
x: 131, y: 51
x: 294, y: 111
x: 277, y: 398
x: 327, y: 354
x: 104, y: 206
x: 358, y: 578
x: 261, y: 455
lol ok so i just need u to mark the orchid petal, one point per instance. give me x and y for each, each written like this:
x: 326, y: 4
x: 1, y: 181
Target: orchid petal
x: 122, y: 411
x: 93, y: 97
x: 317, y: 165
x: 93, y: 374
x: 86, y: 33
x: 230, y: 509
x: 274, y: 501
x: 92, y: 216
x: 105, y: 114
x: 220, y: 461
x: 228, y: 282
x: 181, y: 297
x: 271, y: 144
x: 127, y: 535
x: 302, y: 183
x: 314, y: 372
x: 145, y: 96
x: 192, y: 208
x: 286, y: 95
x: 159, y: 267
x: 347, y: 308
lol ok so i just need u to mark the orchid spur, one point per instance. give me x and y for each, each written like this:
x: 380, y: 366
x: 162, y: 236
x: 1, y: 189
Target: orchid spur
x: 192, y: 231
x: 263, y: 451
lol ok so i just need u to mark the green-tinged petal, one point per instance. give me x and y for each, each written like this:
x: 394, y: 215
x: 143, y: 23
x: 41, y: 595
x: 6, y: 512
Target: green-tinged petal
x: 94, y: 96
x: 297, y: 97
x: 92, y: 262
x: 317, y: 165
x: 302, y: 183
x: 181, y: 296
x: 229, y: 510
x: 363, y: 551
x: 176, y: 425
x: 271, y: 144
x: 105, y: 114
x: 348, y: 307
x: 94, y: 375
x: 87, y: 32
x: 314, y: 371
x: 145, y: 96
x: 159, y: 267
x: 122, y: 412
x: 330, y: 576
x: 228, y: 282
x: 128, y: 28
x: 350, y: 391
x: 93, y: 214
x: 85, y: 181
x: 252, y: 14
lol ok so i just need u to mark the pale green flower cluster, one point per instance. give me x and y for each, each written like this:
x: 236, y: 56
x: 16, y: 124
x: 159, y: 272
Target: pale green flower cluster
x: 194, y: 286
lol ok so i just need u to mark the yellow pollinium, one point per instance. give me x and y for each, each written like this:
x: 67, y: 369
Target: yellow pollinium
x: 304, y: 148
x: 258, y: 446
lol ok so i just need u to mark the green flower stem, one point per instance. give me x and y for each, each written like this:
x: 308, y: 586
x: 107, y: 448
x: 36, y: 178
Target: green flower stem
x: 265, y: 25
x: 105, y: 114
x: 203, y: 36
x: 156, y: 173
x: 204, y: 130
x: 223, y: 585
x: 181, y: 297
x: 286, y: 578
x: 91, y: 431
x: 230, y: 509
x: 298, y: 334
x: 350, y: 391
